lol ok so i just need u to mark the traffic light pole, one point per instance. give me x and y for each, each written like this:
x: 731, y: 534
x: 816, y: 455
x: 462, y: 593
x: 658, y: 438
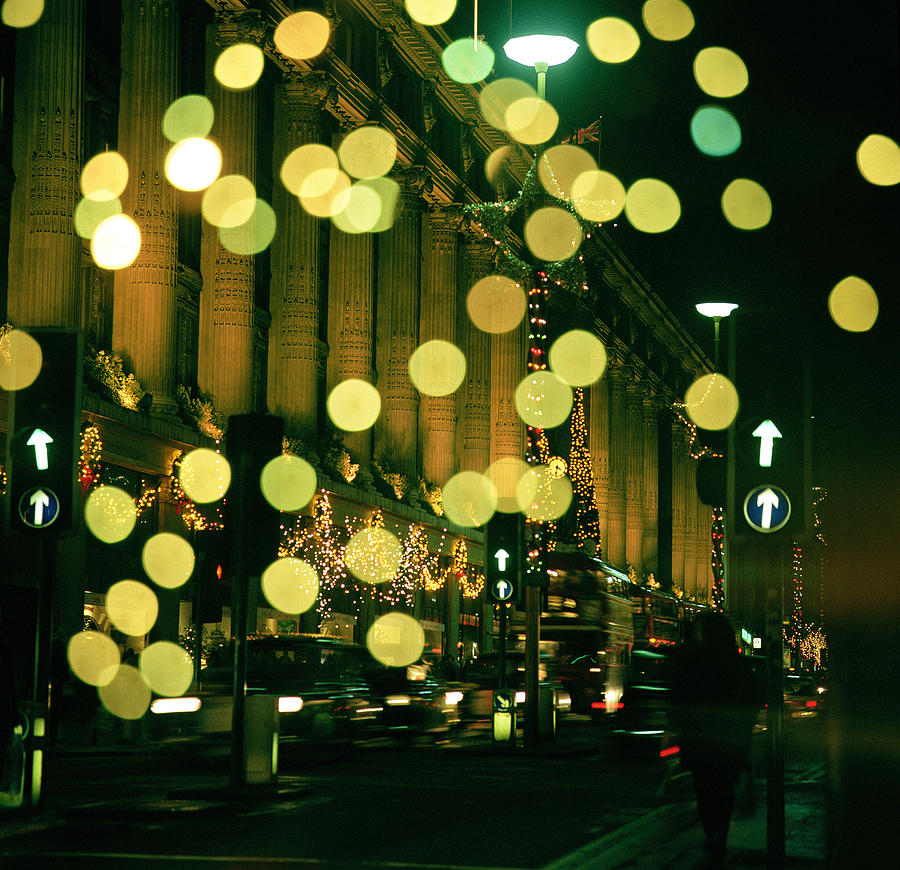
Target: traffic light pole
x: 532, y: 681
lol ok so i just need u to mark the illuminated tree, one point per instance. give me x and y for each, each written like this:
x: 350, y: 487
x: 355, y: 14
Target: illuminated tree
x: 581, y: 472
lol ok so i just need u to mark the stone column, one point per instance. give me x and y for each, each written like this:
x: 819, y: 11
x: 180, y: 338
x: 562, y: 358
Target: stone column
x: 615, y: 543
x: 399, y: 268
x: 634, y: 474
x: 144, y: 302
x: 293, y: 363
x: 679, y: 512
x: 692, y: 525
x: 225, y: 363
x: 350, y: 324
x: 475, y: 396
x: 44, y: 250
x: 649, y: 546
x: 437, y: 414
x: 704, y: 551
x: 599, y: 441
x: 507, y: 369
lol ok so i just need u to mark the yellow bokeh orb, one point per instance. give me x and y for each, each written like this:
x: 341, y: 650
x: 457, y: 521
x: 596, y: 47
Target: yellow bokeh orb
x: 132, y: 607
x: 505, y: 474
x: 362, y: 211
x: 720, y: 72
x: 560, y: 165
x: 497, y: 96
x: 368, y: 152
x: 612, y: 40
x: 495, y: 163
x: 652, y: 206
x: 878, y: 160
x: 531, y: 121
x: 127, y: 696
x: 193, y: 164
x: 254, y: 235
x: 288, y: 482
x: 335, y: 192
x: 437, y: 368
x: 190, y: 116
x: 21, y: 13
x: 552, y: 233
x: 110, y: 514
x: 373, y: 555
x: 167, y: 667
x: 290, y: 585
x: 93, y: 657
x: 746, y: 204
x: 239, y: 66
x: 354, y: 405
x: 598, y: 195
x: 229, y: 201
x: 544, y: 496
x: 90, y: 213
x: 712, y: 402
x: 543, y: 400
x: 21, y: 359
x: 430, y: 12
x: 204, y: 475
x: 168, y: 560
x: 303, y: 35
x: 104, y: 176
x: 469, y: 499
x: 116, y: 242
x: 496, y: 303
x: 303, y: 163
x: 395, y: 639
x: 853, y: 304
x: 667, y: 20
x: 578, y: 357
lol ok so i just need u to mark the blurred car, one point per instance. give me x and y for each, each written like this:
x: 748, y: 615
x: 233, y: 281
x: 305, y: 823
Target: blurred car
x: 641, y: 719
x: 803, y: 696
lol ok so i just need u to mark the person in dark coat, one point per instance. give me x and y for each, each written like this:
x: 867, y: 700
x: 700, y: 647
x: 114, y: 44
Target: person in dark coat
x: 715, y: 700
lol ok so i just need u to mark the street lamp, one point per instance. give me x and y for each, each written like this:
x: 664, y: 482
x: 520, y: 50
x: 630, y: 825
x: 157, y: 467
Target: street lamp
x: 540, y: 51
x: 715, y: 310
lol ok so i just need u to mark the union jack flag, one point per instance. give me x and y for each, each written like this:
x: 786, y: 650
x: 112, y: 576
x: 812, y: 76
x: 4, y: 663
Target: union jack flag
x: 587, y: 134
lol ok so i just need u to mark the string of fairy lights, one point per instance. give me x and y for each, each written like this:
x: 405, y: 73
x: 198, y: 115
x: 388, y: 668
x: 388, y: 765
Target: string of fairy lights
x: 581, y: 473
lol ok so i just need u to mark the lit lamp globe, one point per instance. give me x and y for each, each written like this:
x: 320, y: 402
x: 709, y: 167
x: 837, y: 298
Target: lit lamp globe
x: 716, y: 311
x: 541, y: 51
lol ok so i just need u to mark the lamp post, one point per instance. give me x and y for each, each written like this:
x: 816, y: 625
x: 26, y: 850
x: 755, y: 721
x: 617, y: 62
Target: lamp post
x: 540, y: 51
x: 716, y: 311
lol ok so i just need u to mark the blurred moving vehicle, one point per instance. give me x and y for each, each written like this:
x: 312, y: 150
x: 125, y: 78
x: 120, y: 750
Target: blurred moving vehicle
x: 641, y: 719
x: 803, y: 696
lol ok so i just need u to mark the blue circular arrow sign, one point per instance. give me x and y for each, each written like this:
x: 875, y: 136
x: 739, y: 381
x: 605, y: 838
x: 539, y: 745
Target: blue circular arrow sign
x: 767, y: 508
x: 501, y: 589
x: 38, y: 507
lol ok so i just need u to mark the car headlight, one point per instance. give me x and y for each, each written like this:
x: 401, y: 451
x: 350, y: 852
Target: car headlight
x: 452, y: 698
x: 175, y: 705
x: 398, y: 700
x: 290, y: 704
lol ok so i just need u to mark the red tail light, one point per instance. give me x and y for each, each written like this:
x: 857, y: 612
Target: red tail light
x: 812, y: 703
x: 669, y: 750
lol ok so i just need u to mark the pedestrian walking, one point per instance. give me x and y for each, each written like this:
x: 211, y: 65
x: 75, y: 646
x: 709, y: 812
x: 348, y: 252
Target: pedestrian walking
x: 715, y: 699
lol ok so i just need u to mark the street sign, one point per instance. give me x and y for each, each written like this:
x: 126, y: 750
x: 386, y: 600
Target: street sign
x: 767, y: 432
x: 767, y: 508
x: 38, y: 507
x: 503, y: 701
x: 502, y: 556
x: 501, y: 589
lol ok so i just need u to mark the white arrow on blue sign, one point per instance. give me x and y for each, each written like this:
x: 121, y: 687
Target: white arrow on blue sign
x: 38, y: 507
x: 767, y: 508
x: 501, y: 589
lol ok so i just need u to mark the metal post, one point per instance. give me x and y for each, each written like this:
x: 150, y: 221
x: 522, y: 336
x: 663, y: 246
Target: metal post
x: 501, y: 652
x: 775, y: 713
x: 532, y: 647
x: 729, y: 521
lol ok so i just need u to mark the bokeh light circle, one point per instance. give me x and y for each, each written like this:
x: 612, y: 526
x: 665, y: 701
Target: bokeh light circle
x: 437, y: 368
x: 715, y: 131
x: 612, y: 40
x: 878, y: 160
x: 168, y: 560
x: 167, y: 668
x: 303, y: 35
x: 288, y: 482
x: 496, y: 162
x: 746, y: 205
x: 469, y: 499
x: 104, y: 177
x: 239, y: 66
x: 504, y: 474
x: 132, y: 607
x: 542, y: 495
x: 90, y: 213
x: 853, y: 304
x: 543, y: 400
x: 598, y: 195
x: 720, y: 72
x: 362, y: 211
x: 229, y: 201
x: 395, y: 639
x: 354, y: 405
x: 193, y: 164
x: 667, y: 20
x: 552, y: 233
x: 430, y: 12
x: 373, y: 555
x: 127, y: 695
x: 578, y: 357
x: 496, y: 303
x: 467, y: 61
x: 497, y: 96
x: 560, y: 165
x: 21, y: 13
x: 368, y: 152
x: 254, y: 235
x: 110, y: 514
x: 21, y: 359
x: 334, y: 196
x: 307, y: 163
x: 712, y: 402
x: 189, y: 117
x: 93, y: 657
x: 652, y: 206
x: 116, y: 242
x: 387, y: 193
x: 531, y: 120
x: 290, y: 585
x: 204, y: 475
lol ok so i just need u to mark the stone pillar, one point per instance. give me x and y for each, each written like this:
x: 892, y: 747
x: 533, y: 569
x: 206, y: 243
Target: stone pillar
x: 399, y: 269
x: 634, y: 474
x: 144, y: 301
x: 615, y: 542
x: 691, y: 524
x: 475, y: 396
x: 649, y: 546
x: 679, y: 514
x: 437, y: 414
x: 293, y: 363
x: 44, y: 250
x: 704, y: 551
x: 599, y: 442
x: 350, y: 323
x: 225, y: 359
x: 507, y: 369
